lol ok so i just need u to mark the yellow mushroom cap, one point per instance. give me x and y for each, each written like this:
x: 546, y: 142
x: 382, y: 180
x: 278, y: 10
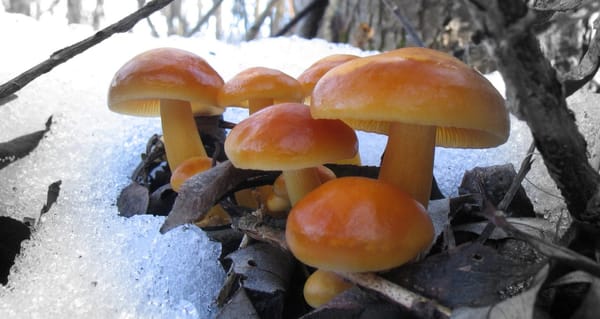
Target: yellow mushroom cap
x: 260, y: 83
x: 164, y: 73
x: 285, y: 137
x: 315, y: 71
x: 357, y: 224
x: 415, y: 86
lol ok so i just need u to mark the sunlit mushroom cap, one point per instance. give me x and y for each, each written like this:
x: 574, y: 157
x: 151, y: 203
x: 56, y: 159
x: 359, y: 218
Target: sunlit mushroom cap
x: 164, y: 73
x: 357, y: 224
x: 417, y: 86
x: 285, y: 136
x: 309, y: 77
x: 260, y: 83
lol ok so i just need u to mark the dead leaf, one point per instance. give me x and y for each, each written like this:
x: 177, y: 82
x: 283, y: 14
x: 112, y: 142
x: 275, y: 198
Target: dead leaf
x: 12, y: 233
x: 200, y: 192
x: 537, y: 227
x: 133, y: 200
x: 468, y: 275
x: 265, y: 272
x: 519, y: 306
x: 51, y: 197
x: 239, y: 306
x: 21, y: 146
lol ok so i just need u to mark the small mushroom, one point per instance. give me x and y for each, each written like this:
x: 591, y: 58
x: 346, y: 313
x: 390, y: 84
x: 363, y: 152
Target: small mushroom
x: 217, y: 215
x: 285, y: 137
x: 259, y: 87
x: 322, y: 286
x: 420, y: 98
x: 357, y: 224
x: 174, y: 84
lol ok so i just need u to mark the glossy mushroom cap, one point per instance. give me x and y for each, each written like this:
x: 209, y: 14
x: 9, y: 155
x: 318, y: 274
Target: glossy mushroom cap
x: 164, y: 73
x: 189, y: 168
x: 415, y: 86
x: 258, y: 87
x: 286, y: 137
x: 322, y: 286
x: 357, y: 224
x: 313, y: 73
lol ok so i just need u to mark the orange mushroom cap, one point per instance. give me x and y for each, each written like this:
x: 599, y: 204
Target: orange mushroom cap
x: 322, y: 286
x: 189, y: 168
x: 416, y: 86
x: 165, y: 73
x: 285, y: 136
x: 357, y: 224
x: 315, y: 71
x: 174, y: 84
x: 260, y: 84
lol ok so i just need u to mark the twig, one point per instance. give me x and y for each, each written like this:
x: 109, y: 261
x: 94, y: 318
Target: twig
x: 396, y: 293
x: 512, y: 191
x: 305, y: 11
x: 67, y: 53
x: 405, y: 23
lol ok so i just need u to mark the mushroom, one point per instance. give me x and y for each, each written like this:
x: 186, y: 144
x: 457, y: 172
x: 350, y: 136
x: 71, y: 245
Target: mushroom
x: 322, y: 286
x: 285, y: 137
x: 217, y: 215
x: 259, y: 87
x: 174, y: 84
x: 309, y: 77
x: 278, y: 200
x: 419, y: 98
x: 357, y: 224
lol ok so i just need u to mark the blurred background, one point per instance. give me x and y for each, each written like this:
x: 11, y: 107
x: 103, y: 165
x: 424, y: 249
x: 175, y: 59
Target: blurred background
x: 368, y: 24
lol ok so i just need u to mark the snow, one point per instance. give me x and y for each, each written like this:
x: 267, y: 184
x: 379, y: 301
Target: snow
x: 83, y: 259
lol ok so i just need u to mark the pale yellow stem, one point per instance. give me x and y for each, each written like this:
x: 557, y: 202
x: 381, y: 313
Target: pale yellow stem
x: 180, y: 134
x: 300, y: 182
x: 408, y: 159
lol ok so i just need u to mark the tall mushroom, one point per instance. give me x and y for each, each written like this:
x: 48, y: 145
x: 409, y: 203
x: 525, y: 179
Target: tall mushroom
x: 285, y: 137
x: 174, y: 84
x: 419, y: 98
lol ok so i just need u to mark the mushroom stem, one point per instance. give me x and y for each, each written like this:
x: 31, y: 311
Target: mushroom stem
x: 300, y: 182
x: 408, y: 159
x: 255, y: 105
x: 182, y: 140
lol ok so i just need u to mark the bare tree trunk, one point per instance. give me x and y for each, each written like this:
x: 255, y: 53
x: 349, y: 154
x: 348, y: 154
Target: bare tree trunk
x: 253, y: 31
x: 278, y: 16
x: 218, y: 19
x: 19, y: 6
x: 150, y: 24
x: 98, y: 14
x: 176, y: 22
x: 74, y: 11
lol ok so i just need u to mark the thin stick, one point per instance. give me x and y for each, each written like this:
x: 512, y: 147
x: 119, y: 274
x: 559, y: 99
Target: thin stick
x: 512, y: 191
x: 67, y: 53
x: 405, y: 23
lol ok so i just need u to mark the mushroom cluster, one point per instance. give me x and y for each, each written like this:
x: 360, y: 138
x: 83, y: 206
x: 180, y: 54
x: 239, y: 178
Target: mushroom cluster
x: 419, y: 97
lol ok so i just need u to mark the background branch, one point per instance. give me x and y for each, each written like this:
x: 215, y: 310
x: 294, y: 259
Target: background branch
x: 67, y: 53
